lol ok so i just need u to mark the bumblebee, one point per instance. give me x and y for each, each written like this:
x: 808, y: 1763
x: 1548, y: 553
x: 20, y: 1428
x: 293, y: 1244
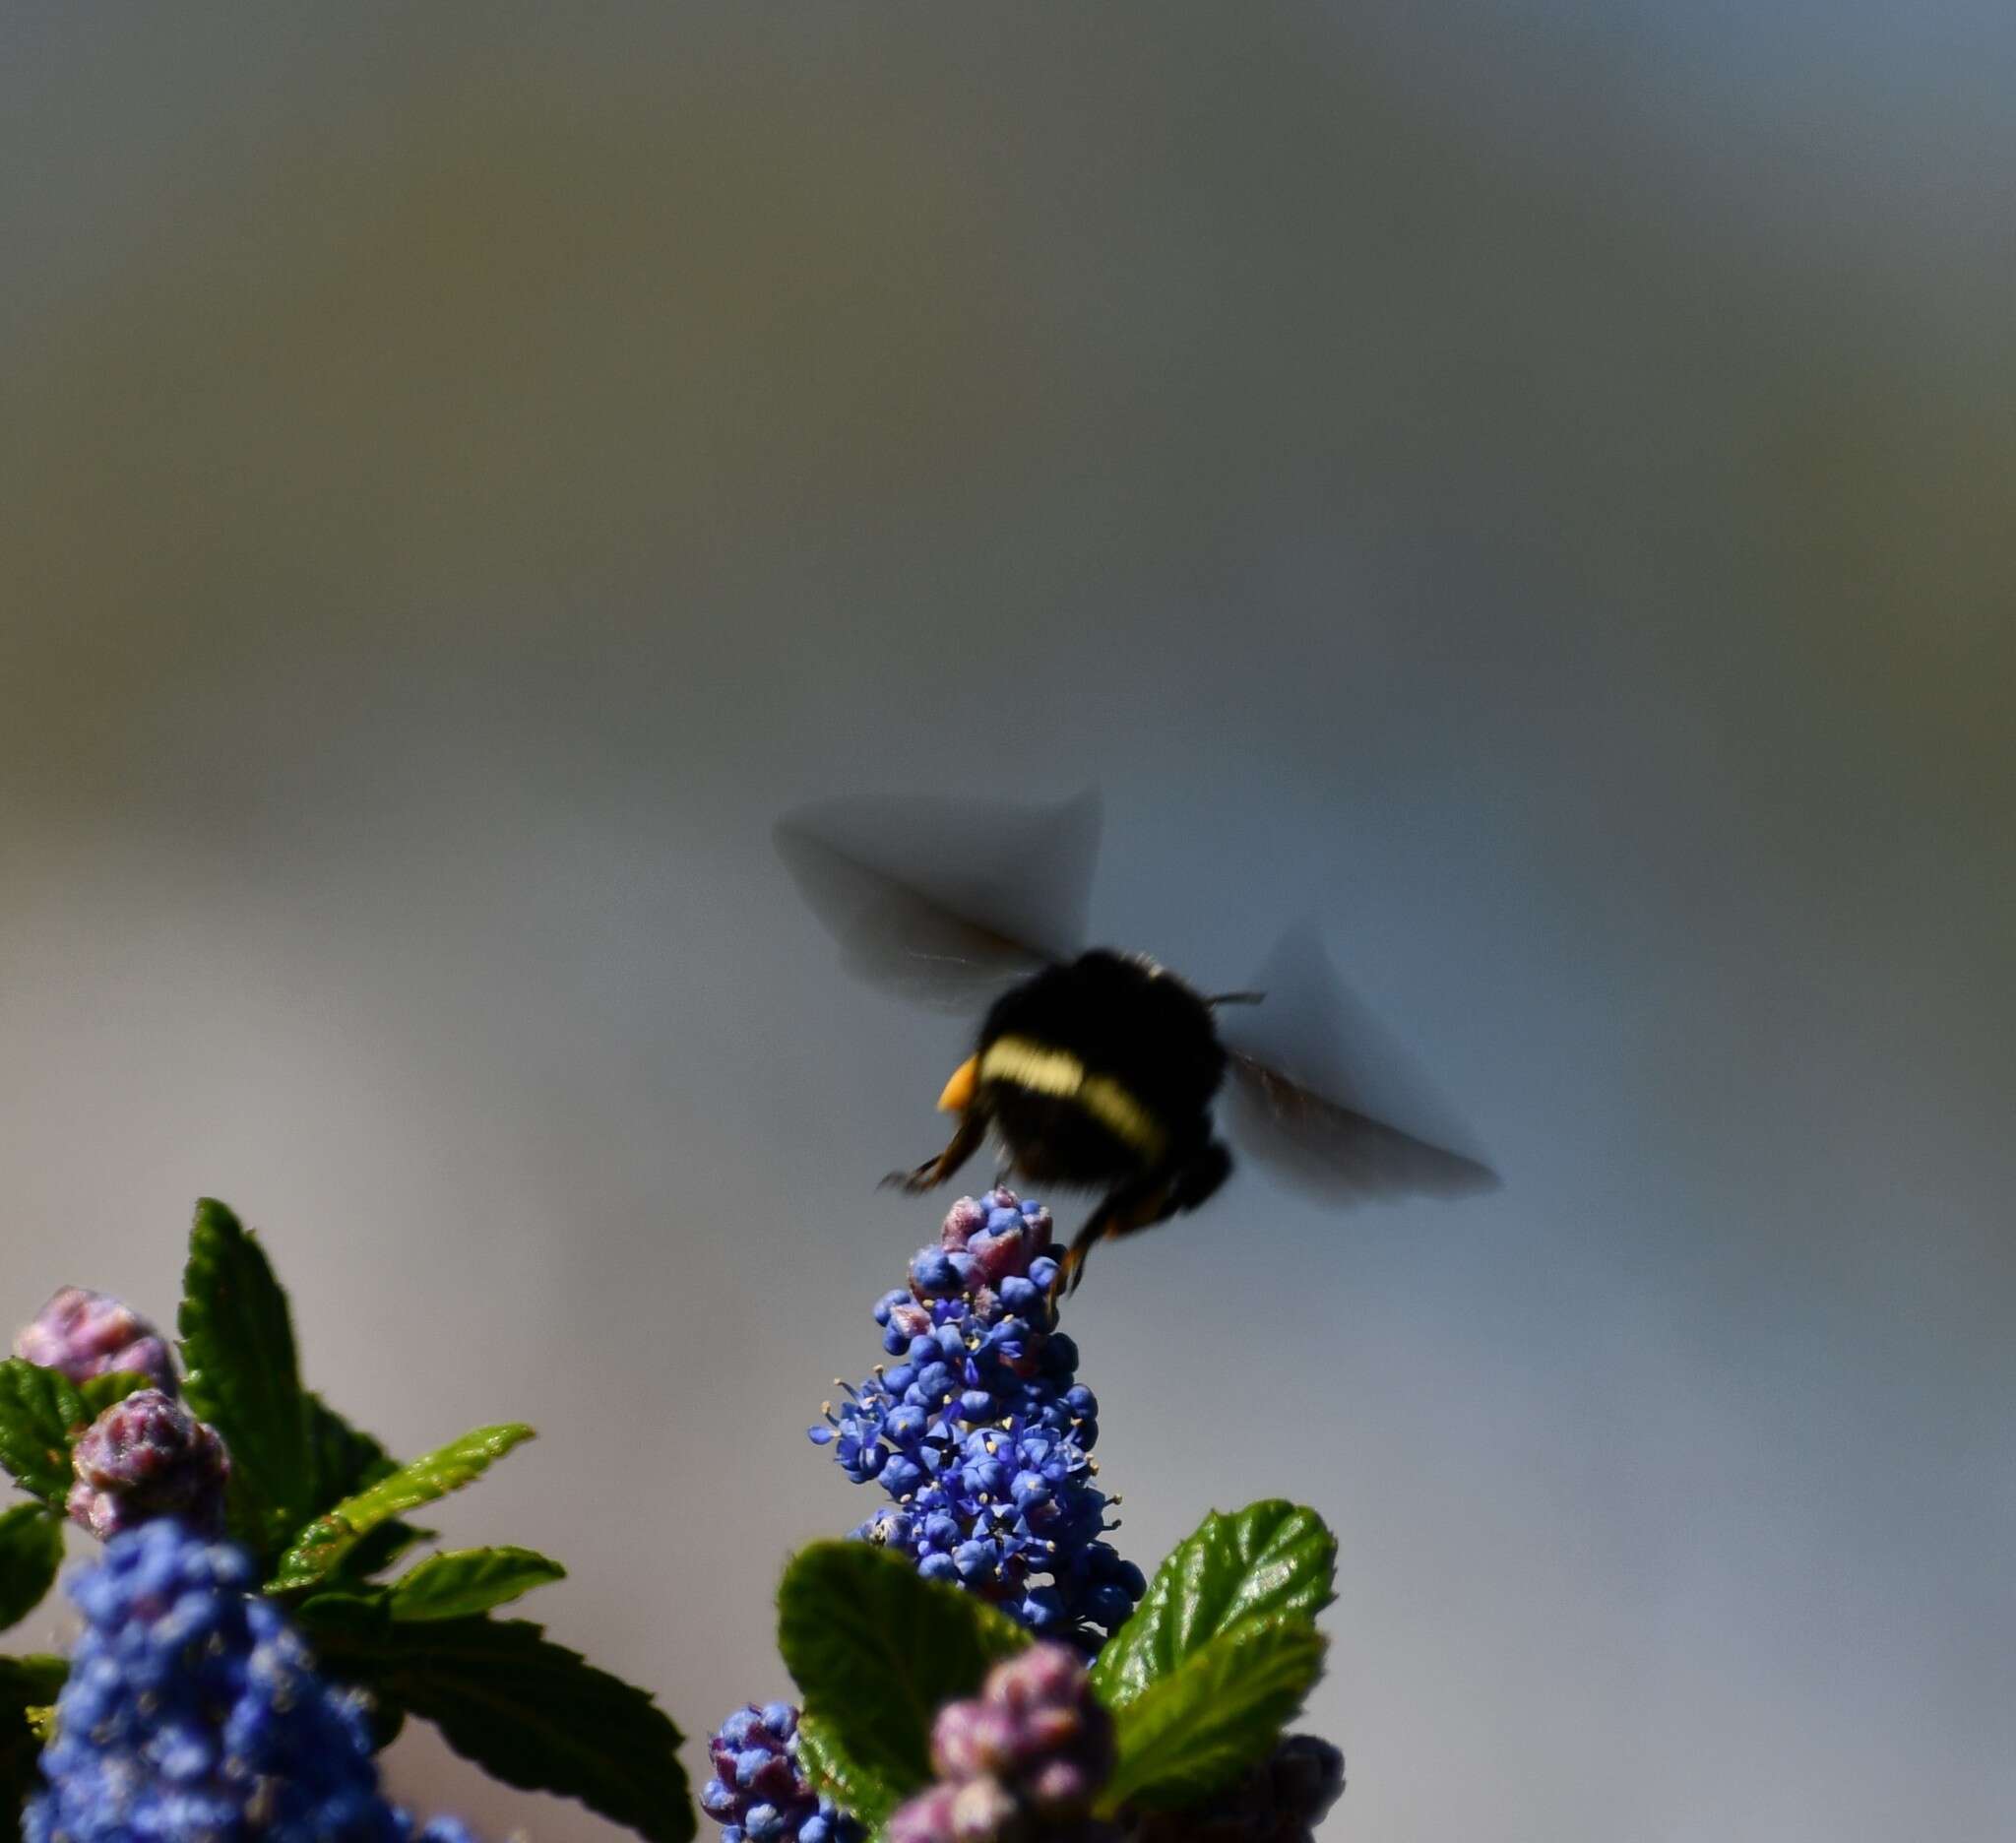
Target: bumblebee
x: 1099, y: 1070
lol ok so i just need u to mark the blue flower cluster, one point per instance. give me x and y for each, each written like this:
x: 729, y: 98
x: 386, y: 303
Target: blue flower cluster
x: 758, y: 1790
x: 193, y: 1714
x: 982, y: 1434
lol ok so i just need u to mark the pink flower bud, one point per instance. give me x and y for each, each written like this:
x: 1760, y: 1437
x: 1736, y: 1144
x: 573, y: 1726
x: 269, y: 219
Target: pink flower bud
x: 147, y: 1456
x: 87, y: 1334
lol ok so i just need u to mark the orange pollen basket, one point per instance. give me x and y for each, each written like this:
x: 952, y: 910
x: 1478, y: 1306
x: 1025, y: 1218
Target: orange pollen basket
x: 958, y: 1095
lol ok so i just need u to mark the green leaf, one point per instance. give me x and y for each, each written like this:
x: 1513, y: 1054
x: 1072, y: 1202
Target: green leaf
x: 524, y: 1710
x: 875, y: 1649
x: 342, y: 1460
x: 1220, y: 1711
x: 324, y: 1542
x: 468, y: 1580
x: 240, y: 1375
x: 1271, y: 1558
x: 379, y: 1550
x: 38, y: 1409
x: 31, y: 1553
x: 854, y: 1788
x: 28, y: 1686
x: 99, y: 1392
x: 30, y: 1681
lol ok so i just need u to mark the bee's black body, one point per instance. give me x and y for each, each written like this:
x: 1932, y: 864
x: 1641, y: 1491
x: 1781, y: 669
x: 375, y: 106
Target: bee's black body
x: 1126, y: 1020
x: 1097, y: 1075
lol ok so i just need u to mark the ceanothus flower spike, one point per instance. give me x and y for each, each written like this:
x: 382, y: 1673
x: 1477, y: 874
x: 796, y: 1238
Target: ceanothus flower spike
x: 982, y: 1434
x: 193, y: 1713
x: 759, y: 1792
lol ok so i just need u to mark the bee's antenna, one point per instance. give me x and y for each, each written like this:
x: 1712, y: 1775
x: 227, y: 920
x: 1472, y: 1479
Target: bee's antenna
x: 1239, y: 997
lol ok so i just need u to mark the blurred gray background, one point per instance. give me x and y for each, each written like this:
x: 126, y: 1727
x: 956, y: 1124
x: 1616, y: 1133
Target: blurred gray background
x: 1529, y: 485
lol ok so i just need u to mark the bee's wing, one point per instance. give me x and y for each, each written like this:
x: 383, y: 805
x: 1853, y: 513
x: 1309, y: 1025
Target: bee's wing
x: 945, y: 902
x: 1316, y: 1088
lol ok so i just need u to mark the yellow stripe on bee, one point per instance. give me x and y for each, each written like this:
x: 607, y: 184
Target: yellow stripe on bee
x: 1044, y: 1070
x: 1033, y: 1065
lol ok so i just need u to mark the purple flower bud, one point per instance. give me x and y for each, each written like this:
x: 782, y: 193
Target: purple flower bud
x: 925, y: 1818
x: 981, y: 1810
x: 1043, y: 1675
x: 87, y: 1334
x: 1306, y: 1774
x: 1051, y: 1730
x: 1000, y: 1256
x: 970, y: 1739
x: 149, y: 1456
x: 965, y: 1220
x: 1280, y: 1800
x: 1063, y: 1785
x: 1024, y: 1759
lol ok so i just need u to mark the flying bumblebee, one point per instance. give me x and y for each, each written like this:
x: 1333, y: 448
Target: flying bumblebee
x: 1098, y: 1069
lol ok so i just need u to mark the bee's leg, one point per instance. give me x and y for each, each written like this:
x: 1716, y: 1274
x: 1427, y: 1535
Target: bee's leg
x: 964, y: 1142
x: 1153, y: 1197
x: 1141, y: 1204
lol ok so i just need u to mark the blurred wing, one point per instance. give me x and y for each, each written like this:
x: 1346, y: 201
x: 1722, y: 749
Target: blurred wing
x: 947, y: 902
x: 1317, y: 1087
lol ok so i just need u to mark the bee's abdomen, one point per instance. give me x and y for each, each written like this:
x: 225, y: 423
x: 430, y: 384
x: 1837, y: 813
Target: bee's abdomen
x: 1055, y: 1141
x: 1038, y: 1079
x: 1097, y: 1068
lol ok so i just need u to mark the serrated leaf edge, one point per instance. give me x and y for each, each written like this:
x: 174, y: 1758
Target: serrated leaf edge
x: 1120, y: 1794
x: 1123, y: 1668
